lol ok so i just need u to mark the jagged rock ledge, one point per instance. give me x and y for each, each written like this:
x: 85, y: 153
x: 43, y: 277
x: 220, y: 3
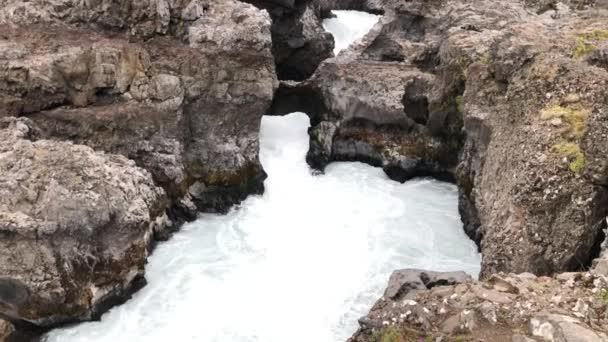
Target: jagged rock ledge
x: 504, y: 98
x: 436, y: 306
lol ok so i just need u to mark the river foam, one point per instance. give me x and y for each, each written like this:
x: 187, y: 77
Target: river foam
x: 348, y: 27
x: 301, y: 263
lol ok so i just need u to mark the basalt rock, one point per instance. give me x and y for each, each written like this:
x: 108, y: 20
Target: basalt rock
x: 299, y: 41
x: 507, y: 101
x: 75, y: 227
x: 179, y: 87
x: 569, y: 307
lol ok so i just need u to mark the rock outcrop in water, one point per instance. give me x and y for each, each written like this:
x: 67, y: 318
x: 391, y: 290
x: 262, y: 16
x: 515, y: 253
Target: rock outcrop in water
x: 177, y: 87
x: 507, y: 98
x: 75, y: 227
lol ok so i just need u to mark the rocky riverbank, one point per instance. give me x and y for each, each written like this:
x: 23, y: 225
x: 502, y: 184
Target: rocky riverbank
x: 429, y: 306
x: 133, y: 118
x: 120, y: 122
x: 507, y: 99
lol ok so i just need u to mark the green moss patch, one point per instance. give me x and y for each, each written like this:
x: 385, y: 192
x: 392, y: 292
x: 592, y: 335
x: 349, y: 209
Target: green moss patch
x: 575, y: 117
x: 586, y: 42
x: 573, y: 152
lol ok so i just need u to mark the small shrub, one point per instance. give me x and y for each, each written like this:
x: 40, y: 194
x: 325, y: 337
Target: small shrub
x: 574, y: 153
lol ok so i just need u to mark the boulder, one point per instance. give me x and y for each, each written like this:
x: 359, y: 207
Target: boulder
x: 76, y: 226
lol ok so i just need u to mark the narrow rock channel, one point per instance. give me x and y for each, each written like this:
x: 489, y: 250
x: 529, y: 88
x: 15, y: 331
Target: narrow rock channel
x: 300, y: 263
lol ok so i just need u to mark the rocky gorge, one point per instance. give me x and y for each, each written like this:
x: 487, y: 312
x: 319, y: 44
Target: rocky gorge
x: 119, y: 122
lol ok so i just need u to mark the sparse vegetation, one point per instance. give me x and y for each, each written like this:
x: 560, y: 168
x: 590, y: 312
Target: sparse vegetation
x: 463, y: 64
x: 603, y: 295
x: 459, y: 105
x: 575, y: 117
x: 574, y: 153
x: 597, y: 34
x: 389, y: 334
x: 485, y: 59
x: 582, y: 48
x: 585, y: 43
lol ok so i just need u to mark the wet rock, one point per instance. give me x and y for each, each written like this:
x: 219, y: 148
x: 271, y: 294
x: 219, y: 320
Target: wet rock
x: 76, y: 227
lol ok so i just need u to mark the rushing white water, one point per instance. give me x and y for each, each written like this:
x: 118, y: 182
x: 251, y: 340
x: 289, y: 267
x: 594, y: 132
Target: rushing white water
x: 349, y: 26
x: 301, y: 263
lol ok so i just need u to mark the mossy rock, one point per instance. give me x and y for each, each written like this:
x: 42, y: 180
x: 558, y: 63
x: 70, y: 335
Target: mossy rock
x: 574, y: 152
x: 575, y: 117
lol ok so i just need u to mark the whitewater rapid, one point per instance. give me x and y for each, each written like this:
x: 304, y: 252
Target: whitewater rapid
x: 348, y: 27
x: 300, y: 263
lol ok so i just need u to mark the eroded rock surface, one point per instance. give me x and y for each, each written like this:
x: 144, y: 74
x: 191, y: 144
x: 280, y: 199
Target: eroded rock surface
x: 506, y: 98
x: 179, y: 87
x: 507, y: 307
x: 75, y: 224
x: 299, y: 41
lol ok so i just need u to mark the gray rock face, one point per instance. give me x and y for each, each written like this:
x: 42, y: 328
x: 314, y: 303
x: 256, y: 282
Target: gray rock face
x: 300, y: 43
x: 185, y: 103
x: 75, y: 225
x: 505, y: 98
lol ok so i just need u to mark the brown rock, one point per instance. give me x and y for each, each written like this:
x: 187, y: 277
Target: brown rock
x: 76, y: 227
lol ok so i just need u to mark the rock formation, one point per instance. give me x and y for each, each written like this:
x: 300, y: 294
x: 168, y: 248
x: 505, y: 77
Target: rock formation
x: 178, y: 87
x: 506, y: 98
x: 76, y: 226
x: 299, y: 42
x: 507, y: 307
